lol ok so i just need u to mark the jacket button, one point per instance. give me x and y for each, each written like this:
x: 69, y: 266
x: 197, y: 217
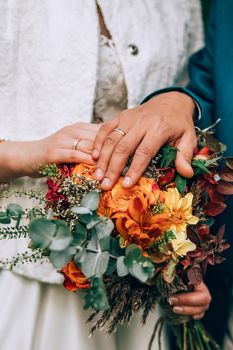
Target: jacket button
x: 133, y: 49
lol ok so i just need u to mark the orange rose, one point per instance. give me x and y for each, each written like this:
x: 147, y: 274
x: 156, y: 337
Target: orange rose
x: 74, y: 278
x: 85, y: 170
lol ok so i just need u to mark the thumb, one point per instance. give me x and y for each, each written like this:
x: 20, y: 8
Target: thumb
x: 184, y: 156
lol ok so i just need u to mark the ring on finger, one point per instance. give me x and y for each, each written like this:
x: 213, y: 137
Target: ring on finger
x: 75, y: 144
x: 120, y: 131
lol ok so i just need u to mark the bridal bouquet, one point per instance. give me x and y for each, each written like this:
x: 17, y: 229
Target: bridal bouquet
x: 131, y: 249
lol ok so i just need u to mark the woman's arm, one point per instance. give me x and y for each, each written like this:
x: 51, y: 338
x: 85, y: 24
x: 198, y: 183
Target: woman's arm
x: 71, y: 144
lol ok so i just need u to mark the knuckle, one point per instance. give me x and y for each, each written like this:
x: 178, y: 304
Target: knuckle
x: 112, y: 172
x: 109, y: 141
x: 105, y: 128
x: 122, y: 148
x: 144, y: 151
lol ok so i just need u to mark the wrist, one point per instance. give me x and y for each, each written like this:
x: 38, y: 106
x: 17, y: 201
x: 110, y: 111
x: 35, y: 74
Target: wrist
x: 16, y: 159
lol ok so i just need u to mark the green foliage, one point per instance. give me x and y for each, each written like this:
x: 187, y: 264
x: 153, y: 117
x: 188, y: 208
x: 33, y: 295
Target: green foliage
x: 200, y: 167
x: 181, y: 183
x: 96, y: 295
x: 50, y: 171
x: 12, y: 212
x: 136, y: 264
x: 51, y: 234
x: 168, y: 156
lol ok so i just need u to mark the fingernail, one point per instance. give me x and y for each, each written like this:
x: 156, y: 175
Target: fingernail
x: 95, y: 153
x: 177, y: 309
x: 98, y: 173
x: 127, y: 181
x: 197, y: 317
x: 106, y: 182
x: 173, y: 301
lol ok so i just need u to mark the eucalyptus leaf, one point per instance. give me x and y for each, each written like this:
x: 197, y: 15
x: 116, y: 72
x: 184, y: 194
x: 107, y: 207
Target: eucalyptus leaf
x: 95, y: 264
x: 138, y: 272
x: 80, y: 257
x: 14, y: 211
x: 104, y: 228
x: 142, y: 269
x: 96, y: 296
x: 115, y: 248
x: 133, y: 252
x: 60, y: 258
x: 62, y: 238
x: 122, y: 269
x: 79, y: 234
x: 104, y: 244
x: 91, y: 201
x: 112, y: 265
x: 41, y: 232
x: 4, y: 218
x: 81, y: 210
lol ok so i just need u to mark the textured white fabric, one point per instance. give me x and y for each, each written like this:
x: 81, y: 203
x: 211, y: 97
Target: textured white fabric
x: 111, y: 91
x: 49, y: 56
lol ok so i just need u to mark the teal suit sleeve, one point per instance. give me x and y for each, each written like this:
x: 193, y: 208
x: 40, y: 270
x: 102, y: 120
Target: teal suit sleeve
x: 201, y: 71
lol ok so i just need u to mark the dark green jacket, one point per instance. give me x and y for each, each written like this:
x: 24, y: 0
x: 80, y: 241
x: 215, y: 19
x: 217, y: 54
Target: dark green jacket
x: 211, y: 80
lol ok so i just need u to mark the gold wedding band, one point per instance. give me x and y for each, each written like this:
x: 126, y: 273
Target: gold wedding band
x: 75, y: 145
x: 120, y: 131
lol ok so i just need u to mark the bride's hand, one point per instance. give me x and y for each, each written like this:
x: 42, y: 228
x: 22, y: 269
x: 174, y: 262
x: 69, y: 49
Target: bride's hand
x: 166, y: 118
x: 71, y: 144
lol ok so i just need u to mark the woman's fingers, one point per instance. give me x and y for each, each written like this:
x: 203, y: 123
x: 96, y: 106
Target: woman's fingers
x: 70, y: 156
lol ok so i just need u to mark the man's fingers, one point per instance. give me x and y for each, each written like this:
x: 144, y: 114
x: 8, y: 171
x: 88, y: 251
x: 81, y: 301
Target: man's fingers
x: 199, y: 316
x: 185, y: 146
x: 200, y: 296
x: 120, y: 156
x: 189, y: 310
x: 142, y: 157
x: 104, y: 131
x: 105, y: 155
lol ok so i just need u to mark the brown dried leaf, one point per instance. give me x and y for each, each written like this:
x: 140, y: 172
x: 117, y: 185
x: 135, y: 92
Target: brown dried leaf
x: 220, y: 233
x: 194, y: 275
x: 225, y: 188
x: 229, y: 163
x: 214, y: 209
x: 226, y: 174
x: 212, y: 143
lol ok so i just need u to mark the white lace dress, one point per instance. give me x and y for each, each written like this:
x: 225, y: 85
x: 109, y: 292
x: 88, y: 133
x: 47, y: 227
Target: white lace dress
x: 41, y: 316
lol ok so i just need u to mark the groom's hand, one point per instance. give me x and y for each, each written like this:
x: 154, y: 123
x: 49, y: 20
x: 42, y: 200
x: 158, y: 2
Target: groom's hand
x: 194, y: 304
x: 140, y: 132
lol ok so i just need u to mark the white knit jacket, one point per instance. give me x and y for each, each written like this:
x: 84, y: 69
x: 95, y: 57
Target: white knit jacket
x: 49, y: 56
